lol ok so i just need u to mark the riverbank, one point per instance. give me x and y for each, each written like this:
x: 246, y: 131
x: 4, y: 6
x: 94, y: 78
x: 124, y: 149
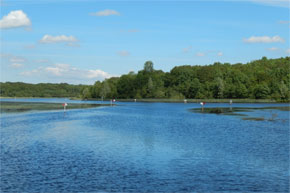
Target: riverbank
x: 166, y: 100
x: 13, y: 107
x: 188, y: 100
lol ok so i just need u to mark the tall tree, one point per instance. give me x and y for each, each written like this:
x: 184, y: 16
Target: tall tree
x: 148, y: 66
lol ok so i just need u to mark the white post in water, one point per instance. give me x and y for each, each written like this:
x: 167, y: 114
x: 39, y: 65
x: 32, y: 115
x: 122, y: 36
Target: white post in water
x: 185, y: 101
x: 64, y: 106
x: 135, y: 100
x: 202, y: 103
x: 231, y: 102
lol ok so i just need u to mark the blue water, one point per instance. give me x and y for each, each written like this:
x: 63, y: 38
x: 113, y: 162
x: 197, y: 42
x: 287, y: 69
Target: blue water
x: 144, y: 147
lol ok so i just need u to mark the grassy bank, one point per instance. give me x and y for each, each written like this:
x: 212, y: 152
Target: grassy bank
x: 7, y: 107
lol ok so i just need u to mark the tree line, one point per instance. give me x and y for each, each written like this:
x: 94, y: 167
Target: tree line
x: 259, y: 79
x: 20, y: 89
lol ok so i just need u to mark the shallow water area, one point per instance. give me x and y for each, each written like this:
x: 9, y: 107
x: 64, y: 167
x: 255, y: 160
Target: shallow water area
x: 144, y: 147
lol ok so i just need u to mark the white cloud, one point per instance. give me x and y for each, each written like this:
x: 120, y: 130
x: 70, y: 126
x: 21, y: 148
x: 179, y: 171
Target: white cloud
x: 97, y: 74
x: 200, y: 54
x: 288, y: 51
x: 16, y: 59
x: 12, y: 60
x: 54, y: 70
x: 123, y: 53
x: 187, y: 49
x: 106, y: 12
x: 57, y: 39
x: 16, y: 65
x: 15, y: 19
x: 67, y: 72
x: 273, y: 49
x: 264, y: 39
x: 220, y: 53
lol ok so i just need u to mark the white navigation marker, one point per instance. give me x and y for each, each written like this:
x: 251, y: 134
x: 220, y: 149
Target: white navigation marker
x: 64, y: 106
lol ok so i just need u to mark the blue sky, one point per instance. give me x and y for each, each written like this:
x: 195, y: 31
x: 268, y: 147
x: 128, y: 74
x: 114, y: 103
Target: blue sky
x: 81, y: 41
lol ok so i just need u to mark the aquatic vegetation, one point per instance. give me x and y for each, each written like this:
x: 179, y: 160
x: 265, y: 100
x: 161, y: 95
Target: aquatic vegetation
x: 254, y: 118
x: 238, y: 111
x: 10, y: 107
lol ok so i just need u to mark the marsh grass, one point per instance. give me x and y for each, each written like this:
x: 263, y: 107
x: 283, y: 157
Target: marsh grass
x: 10, y: 107
x: 238, y: 111
x: 254, y: 118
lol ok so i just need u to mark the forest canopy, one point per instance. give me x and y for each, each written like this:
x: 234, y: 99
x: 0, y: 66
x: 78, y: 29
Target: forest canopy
x: 259, y: 79
x: 20, y: 89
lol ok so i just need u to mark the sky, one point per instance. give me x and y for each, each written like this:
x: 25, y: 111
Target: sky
x: 82, y: 41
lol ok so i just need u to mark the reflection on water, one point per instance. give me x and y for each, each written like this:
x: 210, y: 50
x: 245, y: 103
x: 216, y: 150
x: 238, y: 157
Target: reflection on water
x: 144, y: 147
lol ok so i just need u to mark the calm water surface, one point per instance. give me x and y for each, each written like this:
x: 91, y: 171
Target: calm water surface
x: 144, y: 147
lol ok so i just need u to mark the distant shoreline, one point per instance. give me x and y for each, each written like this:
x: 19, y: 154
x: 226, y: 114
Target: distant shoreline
x: 162, y: 100
x: 189, y: 100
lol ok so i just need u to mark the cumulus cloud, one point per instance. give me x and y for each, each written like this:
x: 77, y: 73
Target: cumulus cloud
x: 123, y: 53
x: 106, y: 12
x: 66, y: 71
x: 46, y: 39
x: 16, y: 59
x: 288, y: 51
x: 15, y: 19
x: 97, y: 73
x: 12, y: 60
x: 16, y: 65
x: 264, y: 39
x: 54, y: 70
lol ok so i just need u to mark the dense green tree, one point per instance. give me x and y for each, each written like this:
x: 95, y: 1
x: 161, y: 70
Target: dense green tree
x: 261, y: 91
x: 148, y: 66
x: 126, y: 86
x: 86, y: 93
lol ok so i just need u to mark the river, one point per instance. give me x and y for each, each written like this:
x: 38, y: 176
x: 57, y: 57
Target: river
x: 144, y: 147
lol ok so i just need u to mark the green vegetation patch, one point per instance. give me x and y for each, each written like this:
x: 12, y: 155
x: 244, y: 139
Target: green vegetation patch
x: 238, y: 111
x: 226, y: 111
x: 13, y: 107
x: 254, y: 118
